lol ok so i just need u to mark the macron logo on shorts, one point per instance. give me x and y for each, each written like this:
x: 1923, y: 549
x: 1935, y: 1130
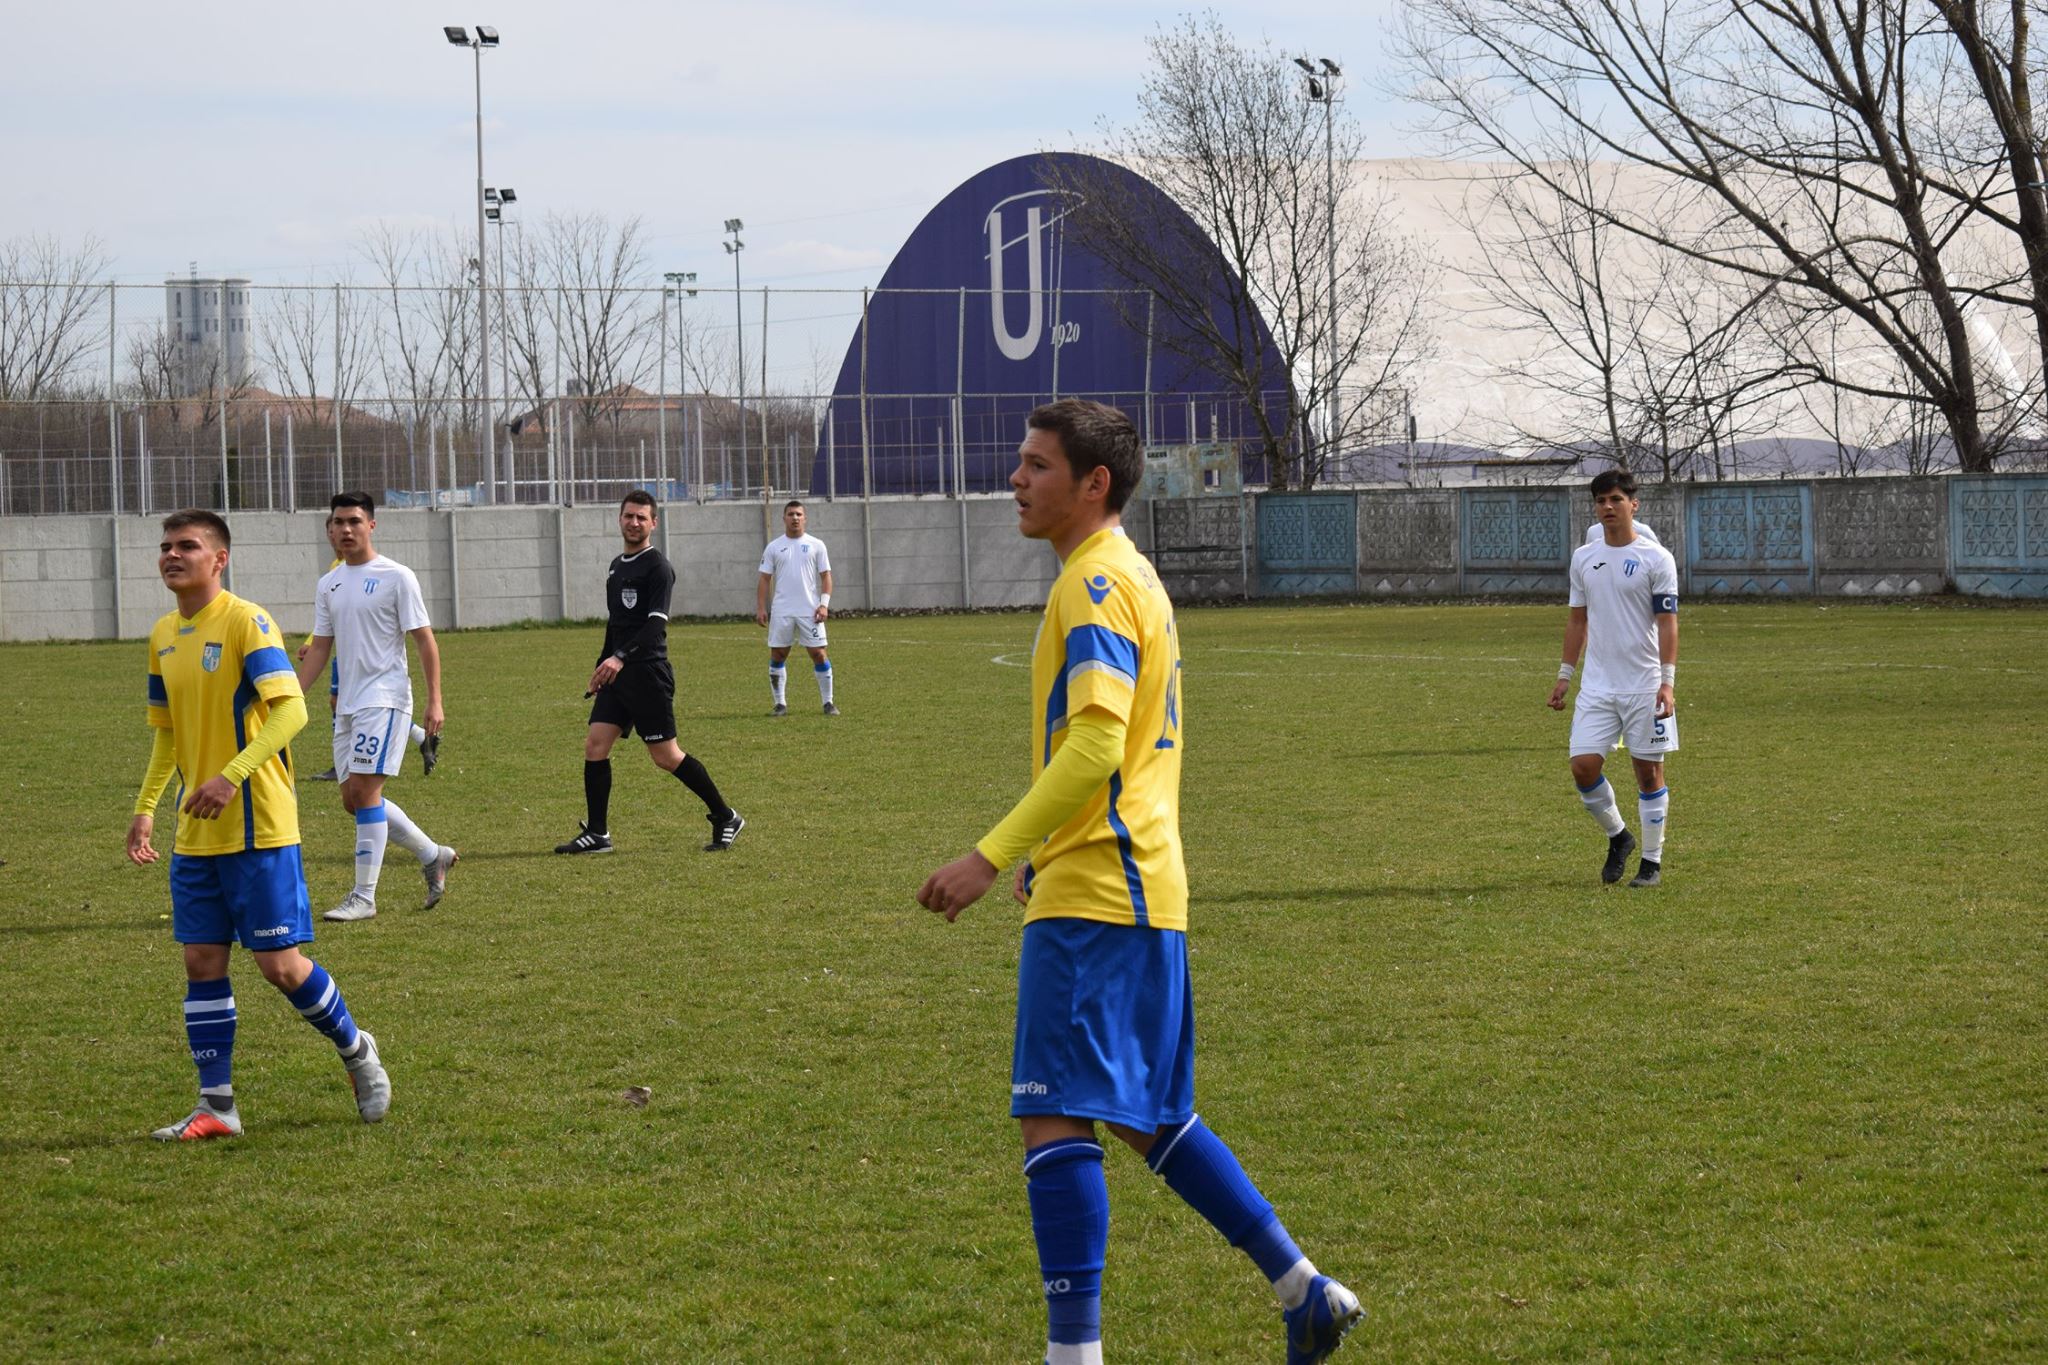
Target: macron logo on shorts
x: 1028, y: 1088
x: 273, y: 933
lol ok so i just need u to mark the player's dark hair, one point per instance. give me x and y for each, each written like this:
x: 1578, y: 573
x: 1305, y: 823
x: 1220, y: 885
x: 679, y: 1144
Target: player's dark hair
x: 643, y: 498
x: 215, y: 524
x: 793, y: 502
x: 1095, y: 434
x: 1607, y: 480
x: 358, y: 498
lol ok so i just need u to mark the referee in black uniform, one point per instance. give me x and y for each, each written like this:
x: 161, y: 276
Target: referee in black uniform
x: 636, y: 690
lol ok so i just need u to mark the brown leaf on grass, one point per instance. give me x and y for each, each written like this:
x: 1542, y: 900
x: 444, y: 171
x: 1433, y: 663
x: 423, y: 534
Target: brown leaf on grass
x: 636, y: 1095
x: 1510, y: 1300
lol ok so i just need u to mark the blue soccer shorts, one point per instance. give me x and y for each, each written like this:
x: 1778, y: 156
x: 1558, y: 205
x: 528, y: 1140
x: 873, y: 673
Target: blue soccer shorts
x: 1105, y: 1024
x: 257, y: 896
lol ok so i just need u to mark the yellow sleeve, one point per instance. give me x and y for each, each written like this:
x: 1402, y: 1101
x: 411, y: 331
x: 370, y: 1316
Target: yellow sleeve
x: 1093, y: 748
x: 163, y: 760
x: 287, y: 718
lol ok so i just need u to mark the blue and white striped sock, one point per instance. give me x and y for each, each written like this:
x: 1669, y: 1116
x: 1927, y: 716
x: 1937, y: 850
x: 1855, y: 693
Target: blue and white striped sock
x: 319, y: 999
x: 1654, y: 807
x: 210, y: 1029
x: 1600, y: 804
x: 778, y: 679
x: 824, y: 672
x: 373, y: 829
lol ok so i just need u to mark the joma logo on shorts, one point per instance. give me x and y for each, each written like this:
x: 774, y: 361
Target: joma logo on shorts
x: 1028, y: 1088
x: 273, y: 933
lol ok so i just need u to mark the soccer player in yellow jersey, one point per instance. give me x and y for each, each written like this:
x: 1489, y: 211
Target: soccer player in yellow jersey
x: 224, y: 703
x: 1105, y: 1021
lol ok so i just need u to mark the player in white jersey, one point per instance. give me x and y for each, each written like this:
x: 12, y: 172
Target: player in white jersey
x: 796, y: 569
x: 1624, y: 618
x: 363, y: 610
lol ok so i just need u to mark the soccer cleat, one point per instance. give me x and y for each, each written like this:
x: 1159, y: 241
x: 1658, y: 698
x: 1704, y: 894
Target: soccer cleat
x: 371, y: 1082
x: 1618, y: 849
x: 436, y: 873
x: 355, y: 905
x: 430, y: 754
x: 780, y: 710
x: 1317, y: 1328
x: 586, y: 842
x: 328, y: 776
x: 723, y: 832
x: 830, y: 709
x: 202, y: 1123
x: 1647, y: 873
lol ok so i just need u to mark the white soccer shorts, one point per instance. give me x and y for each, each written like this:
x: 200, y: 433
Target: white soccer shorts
x: 785, y: 630
x: 1597, y: 722
x: 373, y: 740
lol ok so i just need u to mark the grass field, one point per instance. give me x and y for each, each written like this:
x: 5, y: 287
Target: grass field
x: 1792, y: 1105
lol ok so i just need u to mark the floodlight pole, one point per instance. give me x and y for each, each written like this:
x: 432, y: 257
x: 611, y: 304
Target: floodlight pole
x: 485, y: 37
x: 1322, y: 89
x: 733, y: 249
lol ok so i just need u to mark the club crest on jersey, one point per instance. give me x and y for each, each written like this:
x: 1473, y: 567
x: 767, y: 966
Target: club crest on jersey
x: 369, y: 586
x: 629, y: 598
x: 209, y: 658
x: 1629, y: 567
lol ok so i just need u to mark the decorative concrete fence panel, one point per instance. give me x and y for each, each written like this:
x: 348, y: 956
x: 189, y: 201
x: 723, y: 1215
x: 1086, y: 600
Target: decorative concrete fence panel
x: 1198, y: 546
x: 1308, y: 543
x: 1408, y: 543
x: 1755, y: 540
x: 1516, y: 540
x: 1999, y: 529
x: 1882, y: 537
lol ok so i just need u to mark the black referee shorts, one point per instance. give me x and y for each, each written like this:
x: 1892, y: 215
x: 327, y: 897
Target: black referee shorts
x: 643, y: 698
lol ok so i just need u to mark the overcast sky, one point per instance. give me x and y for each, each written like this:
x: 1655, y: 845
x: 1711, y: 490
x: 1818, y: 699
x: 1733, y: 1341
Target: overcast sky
x: 260, y: 140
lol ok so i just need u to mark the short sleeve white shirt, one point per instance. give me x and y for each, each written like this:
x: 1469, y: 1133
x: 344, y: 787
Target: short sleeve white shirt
x: 367, y: 609
x: 1623, y: 589
x: 796, y: 565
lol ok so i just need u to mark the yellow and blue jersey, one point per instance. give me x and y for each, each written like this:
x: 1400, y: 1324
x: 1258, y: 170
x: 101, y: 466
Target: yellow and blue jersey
x: 211, y: 682
x: 1107, y: 641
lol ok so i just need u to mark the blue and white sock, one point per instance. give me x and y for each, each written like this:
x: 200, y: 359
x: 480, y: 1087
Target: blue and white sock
x: 210, y: 1030
x: 1070, y: 1221
x: 408, y: 835
x: 319, y: 999
x: 417, y: 734
x: 1601, y: 805
x: 373, y: 830
x: 824, y: 672
x: 1654, y: 807
x: 778, y: 679
x: 1200, y: 1168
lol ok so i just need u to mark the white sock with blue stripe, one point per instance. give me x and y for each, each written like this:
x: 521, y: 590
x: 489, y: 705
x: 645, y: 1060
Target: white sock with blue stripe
x: 824, y: 672
x: 1601, y: 805
x: 373, y: 830
x: 408, y: 835
x: 778, y: 678
x: 1654, y: 807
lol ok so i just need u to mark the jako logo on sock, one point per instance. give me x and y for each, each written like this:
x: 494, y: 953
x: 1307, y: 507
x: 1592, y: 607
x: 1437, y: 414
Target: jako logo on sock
x: 1060, y: 1286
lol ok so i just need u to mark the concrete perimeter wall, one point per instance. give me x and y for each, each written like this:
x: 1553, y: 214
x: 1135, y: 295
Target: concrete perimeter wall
x: 94, y: 577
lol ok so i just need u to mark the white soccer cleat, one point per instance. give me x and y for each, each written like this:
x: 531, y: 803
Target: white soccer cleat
x: 436, y: 873
x: 371, y: 1082
x: 202, y: 1123
x: 355, y: 905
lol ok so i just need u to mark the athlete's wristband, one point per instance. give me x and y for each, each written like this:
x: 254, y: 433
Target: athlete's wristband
x: 824, y: 599
x: 1669, y: 673
x: 1565, y: 671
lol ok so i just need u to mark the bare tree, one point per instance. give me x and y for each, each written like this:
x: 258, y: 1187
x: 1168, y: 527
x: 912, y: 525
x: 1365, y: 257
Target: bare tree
x: 603, y: 310
x: 1806, y: 127
x: 319, y: 338
x: 1224, y: 130
x: 52, y: 312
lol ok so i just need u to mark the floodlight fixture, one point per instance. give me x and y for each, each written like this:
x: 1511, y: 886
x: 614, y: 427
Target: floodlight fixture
x: 508, y: 195
x: 1330, y: 68
x: 486, y: 35
x: 491, y: 213
x: 733, y: 225
x: 1315, y: 88
x: 490, y: 195
x: 456, y: 35
x: 1306, y: 65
